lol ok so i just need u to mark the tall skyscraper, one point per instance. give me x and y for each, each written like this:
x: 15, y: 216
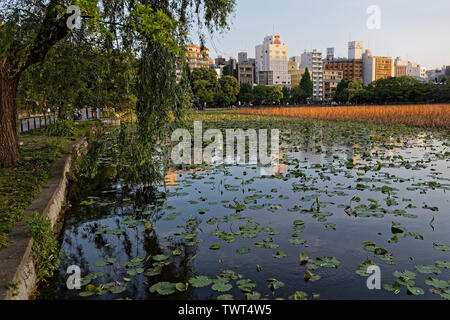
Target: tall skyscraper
x: 272, y: 62
x: 313, y: 61
x: 355, y: 49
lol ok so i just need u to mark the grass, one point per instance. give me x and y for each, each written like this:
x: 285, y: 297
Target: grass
x: 427, y: 116
x: 20, y: 186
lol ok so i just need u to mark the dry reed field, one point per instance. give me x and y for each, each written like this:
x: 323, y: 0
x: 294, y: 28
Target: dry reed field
x: 430, y: 116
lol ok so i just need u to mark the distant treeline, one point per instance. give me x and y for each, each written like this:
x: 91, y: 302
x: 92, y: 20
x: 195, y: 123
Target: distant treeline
x: 398, y: 90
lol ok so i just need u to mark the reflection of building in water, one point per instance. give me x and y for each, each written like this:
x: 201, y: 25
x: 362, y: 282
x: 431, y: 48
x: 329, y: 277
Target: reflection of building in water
x: 171, y: 178
x: 356, y: 156
x: 273, y: 170
x: 279, y: 168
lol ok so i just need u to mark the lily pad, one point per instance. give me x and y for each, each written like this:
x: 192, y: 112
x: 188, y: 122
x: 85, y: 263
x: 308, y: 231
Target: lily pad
x: 221, y: 286
x: 427, y: 269
x: 246, y: 285
x: 243, y: 250
x: 437, y: 283
x: 200, y: 281
x: 163, y: 288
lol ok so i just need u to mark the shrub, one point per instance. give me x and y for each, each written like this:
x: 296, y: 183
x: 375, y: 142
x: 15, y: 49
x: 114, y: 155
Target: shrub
x: 45, y: 246
x: 62, y: 128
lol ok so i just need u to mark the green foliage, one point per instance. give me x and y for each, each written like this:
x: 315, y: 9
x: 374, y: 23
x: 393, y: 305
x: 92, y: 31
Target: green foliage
x: 45, y: 246
x: 286, y: 95
x: 341, y: 95
x: 261, y: 93
x: 103, y: 79
x: 20, y: 186
x: 61, y: 128
x: 306, y: 85
x: 205, y: 85
x: 274, y: 94
x: 14, y: 288
x: 147, y: 29
x: 229, y: 89
x: 395, y: 90
x: 226, y: 71
x: 297, y: 95
x: 246, y: 93
x: 355, y: 91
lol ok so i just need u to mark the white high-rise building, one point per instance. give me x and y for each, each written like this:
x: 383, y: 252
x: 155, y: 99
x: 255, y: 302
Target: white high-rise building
x: 313, y: 61
x: 355, y: 49
x: 272, y: 62
x: 416, y: 70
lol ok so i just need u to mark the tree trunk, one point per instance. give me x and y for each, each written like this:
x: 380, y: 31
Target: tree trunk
x: 9, y: 140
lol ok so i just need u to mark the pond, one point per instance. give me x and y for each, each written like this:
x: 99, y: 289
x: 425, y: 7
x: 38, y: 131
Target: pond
x: 345, y: 196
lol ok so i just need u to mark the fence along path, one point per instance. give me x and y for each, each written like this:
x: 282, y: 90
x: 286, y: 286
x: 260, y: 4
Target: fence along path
x: 31, y: 123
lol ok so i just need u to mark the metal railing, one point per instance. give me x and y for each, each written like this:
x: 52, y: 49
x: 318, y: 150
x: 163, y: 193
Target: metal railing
x: 86, y: 114
x: 31, y: 123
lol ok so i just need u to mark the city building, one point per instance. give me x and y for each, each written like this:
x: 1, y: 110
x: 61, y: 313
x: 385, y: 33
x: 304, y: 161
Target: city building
x: 313, y: 61
x: 436, y: 75
x: 218, y: 70
x: 400, y: 67
x: 242, y: 57
x: 407, y: 68
x: 355, y: 49
x: 265, y: 78
x: 246, y: 73
x: 331, y: 79
x: 272, y: 62
x: 297, y: 60
x: 416, y: 70
x: 233, y: 66
x: 330, y: 53
x: 220, y: 61
x: 375, y: 68
x: 198, y: 57
x: 295, y: 72
x: 351, y: 68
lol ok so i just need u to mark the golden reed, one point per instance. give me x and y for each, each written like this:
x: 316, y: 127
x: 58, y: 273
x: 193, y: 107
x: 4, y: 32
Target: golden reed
x: 430, y: 116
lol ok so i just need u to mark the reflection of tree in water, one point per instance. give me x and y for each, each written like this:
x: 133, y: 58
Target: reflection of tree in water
x: 83, y: 245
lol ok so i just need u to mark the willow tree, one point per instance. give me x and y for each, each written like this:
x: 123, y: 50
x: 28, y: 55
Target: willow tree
x: 154, y: 29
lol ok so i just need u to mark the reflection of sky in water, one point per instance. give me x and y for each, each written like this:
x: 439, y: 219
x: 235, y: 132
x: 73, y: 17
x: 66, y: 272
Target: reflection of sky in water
x: 213, y: 185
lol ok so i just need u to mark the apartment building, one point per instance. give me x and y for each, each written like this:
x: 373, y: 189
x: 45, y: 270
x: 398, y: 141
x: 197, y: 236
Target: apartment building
x: 271, y: 62
x: 355, y: 50
x: 376, y: 68
x: 198, y: 57
x: 246, y: 73
x: 351, y: 68
x: 220, y: 61
x: 416, y: 70
x: 242, y: 57
x: 400, y: 67
x: 313, y: 61
x: 331, y: 79
x: 407, y: 68
x: 295, y: 72
x: 436, y: 75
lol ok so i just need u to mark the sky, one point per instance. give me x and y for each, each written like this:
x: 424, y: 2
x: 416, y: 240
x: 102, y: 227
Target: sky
x: 415, y: 30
